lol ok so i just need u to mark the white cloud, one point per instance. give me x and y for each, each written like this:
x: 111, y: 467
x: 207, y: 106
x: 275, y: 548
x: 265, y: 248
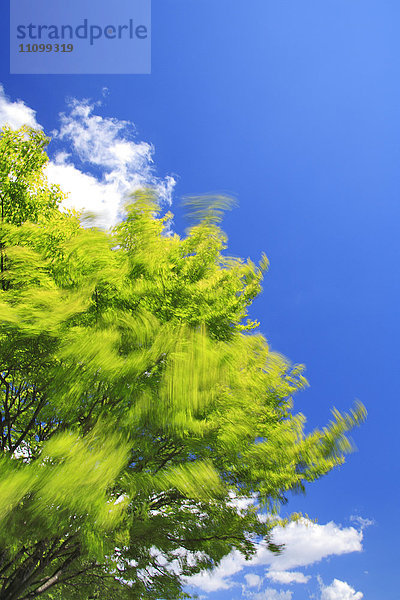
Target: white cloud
x: 253, y: 580
x: 270, y: 594
x: 85, y: 192
x: 339, y: 590
x: 98, y: 160
x: 362, y: 522
x: 106, y: 145
x: 288, y: 577
x: 241, y: 503
x: 15, y: 114
x: 305, y: 544
x: 220, y: 577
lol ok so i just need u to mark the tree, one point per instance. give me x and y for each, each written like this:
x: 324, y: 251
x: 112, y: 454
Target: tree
x: 137, y: 403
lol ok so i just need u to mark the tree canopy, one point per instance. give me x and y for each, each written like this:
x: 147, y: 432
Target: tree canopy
x: 138, y: 403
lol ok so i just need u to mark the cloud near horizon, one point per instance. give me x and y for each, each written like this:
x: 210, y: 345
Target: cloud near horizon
x: 339, y: 590
x: 306, y: 543
x: 270, y: 594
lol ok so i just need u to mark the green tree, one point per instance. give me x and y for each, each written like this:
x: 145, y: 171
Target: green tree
x: 136, y: 400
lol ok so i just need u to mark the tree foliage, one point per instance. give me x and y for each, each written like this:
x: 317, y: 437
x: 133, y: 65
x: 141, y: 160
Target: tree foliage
x: 137, y: 402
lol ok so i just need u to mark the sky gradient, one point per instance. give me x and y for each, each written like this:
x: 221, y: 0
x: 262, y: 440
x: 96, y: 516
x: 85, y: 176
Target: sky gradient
x: 293, y: 108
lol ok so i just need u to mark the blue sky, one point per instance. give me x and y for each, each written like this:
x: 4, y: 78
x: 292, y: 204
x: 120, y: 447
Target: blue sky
x: 294, y: 108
